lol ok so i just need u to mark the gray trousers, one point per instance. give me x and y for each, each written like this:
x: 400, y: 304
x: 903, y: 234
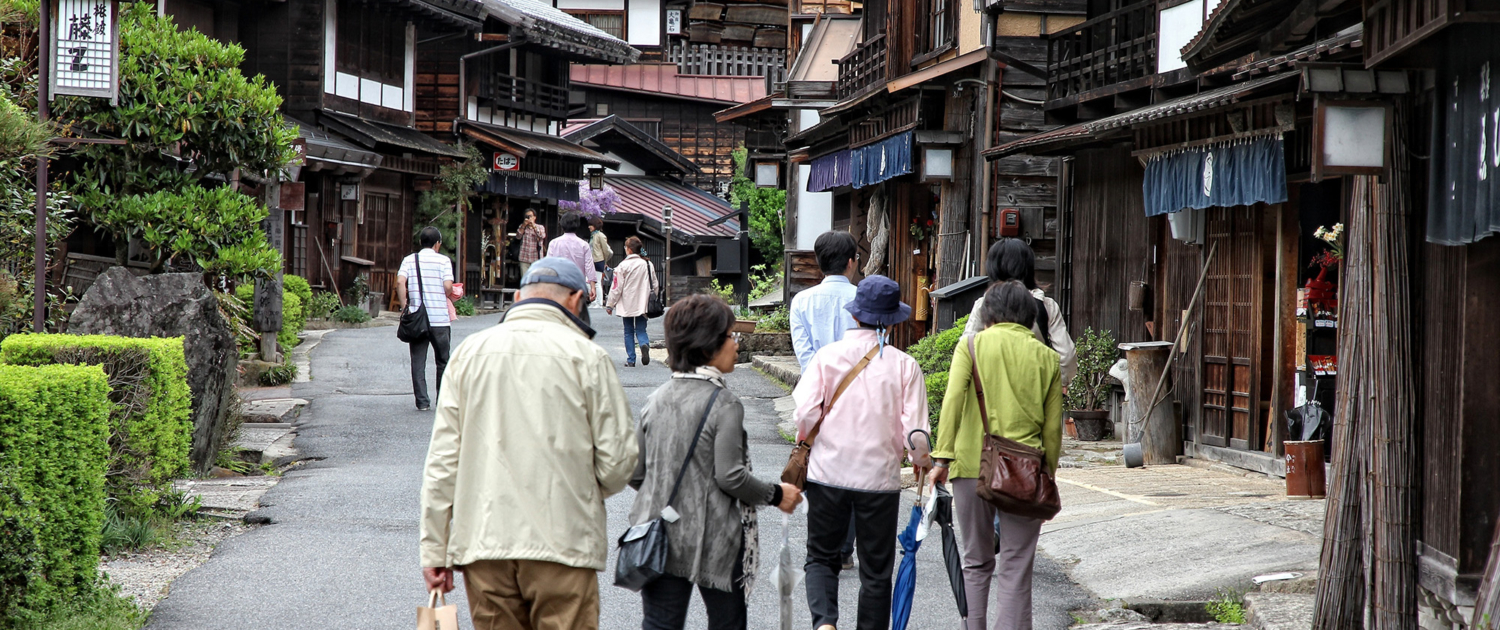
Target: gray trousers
x: 438, y: 337
x: 1018, y: 536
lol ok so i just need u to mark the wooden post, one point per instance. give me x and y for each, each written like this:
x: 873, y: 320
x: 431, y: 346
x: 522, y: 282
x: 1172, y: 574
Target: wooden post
x: 267, y: 299
x: 1284, y: 342
x: 666, y: 253
x: 1159, y: 434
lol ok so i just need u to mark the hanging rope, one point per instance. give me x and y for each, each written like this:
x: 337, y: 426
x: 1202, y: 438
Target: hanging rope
x: 878, y: 227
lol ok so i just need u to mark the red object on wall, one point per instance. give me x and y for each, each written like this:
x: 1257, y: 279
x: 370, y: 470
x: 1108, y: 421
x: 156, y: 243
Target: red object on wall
x: 1010, y: 222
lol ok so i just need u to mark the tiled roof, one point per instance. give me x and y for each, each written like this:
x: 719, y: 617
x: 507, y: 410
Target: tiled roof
x: 1351, y: 39
x: 618, y: 136
x: 372, y: 134
x: 523, y: 143
x: 663, y: 80
x: 692, y: 209
x: 551, y: 27
x: 1166, y: 109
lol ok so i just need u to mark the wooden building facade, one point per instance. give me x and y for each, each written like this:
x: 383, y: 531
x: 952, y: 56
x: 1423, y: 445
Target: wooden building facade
x: 1394, y: 340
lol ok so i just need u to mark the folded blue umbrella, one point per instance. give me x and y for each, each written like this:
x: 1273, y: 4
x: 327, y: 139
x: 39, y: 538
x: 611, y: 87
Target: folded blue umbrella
x: 905, y: 588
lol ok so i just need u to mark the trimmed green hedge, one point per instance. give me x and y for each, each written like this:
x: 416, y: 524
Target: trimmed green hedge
x: 151, y: 427
x: 54, y: 435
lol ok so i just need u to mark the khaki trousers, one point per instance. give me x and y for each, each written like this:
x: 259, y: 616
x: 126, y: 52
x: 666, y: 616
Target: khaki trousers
x: 531, y: 595
x: 1018, y: 537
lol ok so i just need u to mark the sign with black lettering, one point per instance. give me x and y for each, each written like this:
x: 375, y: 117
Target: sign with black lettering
x: 85, y: 48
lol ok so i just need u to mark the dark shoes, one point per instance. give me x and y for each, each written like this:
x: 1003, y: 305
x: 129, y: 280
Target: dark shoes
x: 630, y: 364
x: 424, y: 407
x: 645, y: 354
x: 849, y: 562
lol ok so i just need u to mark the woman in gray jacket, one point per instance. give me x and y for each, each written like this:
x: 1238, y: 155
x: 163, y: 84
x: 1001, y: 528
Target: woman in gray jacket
x: 715, y: 506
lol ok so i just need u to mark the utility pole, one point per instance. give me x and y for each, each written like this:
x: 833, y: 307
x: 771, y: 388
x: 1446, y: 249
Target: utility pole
x: 666, y: 256
x: 39, y: 257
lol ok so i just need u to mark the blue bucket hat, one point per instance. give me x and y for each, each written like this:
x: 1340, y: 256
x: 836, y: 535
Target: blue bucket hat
x: 877, y: 302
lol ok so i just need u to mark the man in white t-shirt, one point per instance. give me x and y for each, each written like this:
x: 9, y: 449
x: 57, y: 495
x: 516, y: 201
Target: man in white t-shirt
x: 433, y: 294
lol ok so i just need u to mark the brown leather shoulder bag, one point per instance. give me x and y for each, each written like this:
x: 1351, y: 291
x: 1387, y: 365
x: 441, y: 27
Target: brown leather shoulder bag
x: 1013, y: 477
x: 795, y: 472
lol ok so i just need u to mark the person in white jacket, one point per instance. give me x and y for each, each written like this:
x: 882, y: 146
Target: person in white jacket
x: 635, y: 281
x: 533, y: 431
x: 1012, y: 259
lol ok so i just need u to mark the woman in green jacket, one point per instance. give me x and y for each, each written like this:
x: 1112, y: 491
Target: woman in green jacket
x: 1023, y: 394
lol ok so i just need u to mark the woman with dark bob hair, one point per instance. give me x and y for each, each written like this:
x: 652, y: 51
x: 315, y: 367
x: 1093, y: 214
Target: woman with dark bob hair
x: 712, y: 540
x: 1012, y: 259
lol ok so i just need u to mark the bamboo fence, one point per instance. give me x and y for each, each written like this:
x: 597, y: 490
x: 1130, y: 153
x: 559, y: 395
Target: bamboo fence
x: 1368, y: 574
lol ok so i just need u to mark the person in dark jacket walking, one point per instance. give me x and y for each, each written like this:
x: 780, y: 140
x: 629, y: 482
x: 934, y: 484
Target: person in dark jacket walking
x: 713, y: 541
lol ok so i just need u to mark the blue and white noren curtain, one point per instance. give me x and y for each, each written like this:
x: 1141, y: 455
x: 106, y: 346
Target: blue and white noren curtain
x: 875, y: 163
x: 1238, y: 174
x: 830, y: 171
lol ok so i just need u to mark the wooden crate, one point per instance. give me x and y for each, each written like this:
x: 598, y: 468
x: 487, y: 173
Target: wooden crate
x: 770, y: 38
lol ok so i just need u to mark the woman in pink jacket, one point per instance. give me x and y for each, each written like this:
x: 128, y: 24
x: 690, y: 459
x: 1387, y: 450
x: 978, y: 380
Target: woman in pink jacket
x: 635, y: 279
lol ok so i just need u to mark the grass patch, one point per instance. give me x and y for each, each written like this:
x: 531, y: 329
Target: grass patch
x: 1226, y: 607
x: 102, y: 609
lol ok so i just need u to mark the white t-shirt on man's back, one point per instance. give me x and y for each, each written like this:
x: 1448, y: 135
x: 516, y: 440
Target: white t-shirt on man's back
x: 436, y: 268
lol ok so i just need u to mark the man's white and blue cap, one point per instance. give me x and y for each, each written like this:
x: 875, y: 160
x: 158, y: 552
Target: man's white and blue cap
x: 555, y: 270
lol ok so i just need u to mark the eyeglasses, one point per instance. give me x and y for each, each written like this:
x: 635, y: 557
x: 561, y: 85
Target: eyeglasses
x: 737, y: 337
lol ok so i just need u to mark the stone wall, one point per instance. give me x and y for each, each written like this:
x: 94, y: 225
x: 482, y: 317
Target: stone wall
x: 765, y: 344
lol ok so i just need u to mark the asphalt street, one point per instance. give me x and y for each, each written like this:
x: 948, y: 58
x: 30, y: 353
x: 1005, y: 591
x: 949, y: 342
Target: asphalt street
x: 341, y: 549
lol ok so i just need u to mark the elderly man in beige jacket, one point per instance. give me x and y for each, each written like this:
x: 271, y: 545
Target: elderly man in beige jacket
x: 533, y: 431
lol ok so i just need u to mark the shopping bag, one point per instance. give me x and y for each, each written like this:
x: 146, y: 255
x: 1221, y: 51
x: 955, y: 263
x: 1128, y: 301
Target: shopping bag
x: 437, y: 617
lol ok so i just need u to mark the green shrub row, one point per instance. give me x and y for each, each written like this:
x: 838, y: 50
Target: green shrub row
x: 54, y: 438
x: 151, y: 428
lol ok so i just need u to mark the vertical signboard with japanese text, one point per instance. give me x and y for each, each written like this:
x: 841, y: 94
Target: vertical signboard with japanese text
x: 86, y: 45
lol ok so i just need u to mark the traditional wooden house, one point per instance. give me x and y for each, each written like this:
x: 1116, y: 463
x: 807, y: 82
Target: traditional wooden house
x: 1230, y: 137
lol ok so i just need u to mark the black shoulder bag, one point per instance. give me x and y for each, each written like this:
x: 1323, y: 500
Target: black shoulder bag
x: 414, y: 325
x: 656, y: 305
x: 643, y: 548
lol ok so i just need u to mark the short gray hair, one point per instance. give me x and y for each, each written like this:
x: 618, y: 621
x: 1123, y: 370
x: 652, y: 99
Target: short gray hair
x: 546, y: 290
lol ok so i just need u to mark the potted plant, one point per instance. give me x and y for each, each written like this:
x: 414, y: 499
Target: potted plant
x: 1089, y: 390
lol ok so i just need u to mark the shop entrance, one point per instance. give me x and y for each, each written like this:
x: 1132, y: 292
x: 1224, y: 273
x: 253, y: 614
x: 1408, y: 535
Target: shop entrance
x: 1232, y: 329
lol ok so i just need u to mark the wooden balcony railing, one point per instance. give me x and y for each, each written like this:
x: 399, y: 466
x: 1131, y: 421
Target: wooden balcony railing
x: 1113, y: 48
x: 518, y: 94
x: 862, y: 69
x: 733, y: 61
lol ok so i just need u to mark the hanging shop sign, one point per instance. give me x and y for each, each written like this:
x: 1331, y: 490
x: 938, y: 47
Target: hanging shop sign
x: 85, y: 48
x: 1237, y: 173
x: 674, y: 21
x: 506, y: 162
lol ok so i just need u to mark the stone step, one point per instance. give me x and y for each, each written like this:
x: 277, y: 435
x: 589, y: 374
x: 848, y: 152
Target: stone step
x: 1279, y: 611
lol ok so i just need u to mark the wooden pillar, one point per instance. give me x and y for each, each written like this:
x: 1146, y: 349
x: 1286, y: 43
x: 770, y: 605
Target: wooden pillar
x: 954, y: 229
x: 1284, y: 341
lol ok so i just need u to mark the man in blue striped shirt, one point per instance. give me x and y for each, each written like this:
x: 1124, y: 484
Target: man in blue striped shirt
x: 433, y: 294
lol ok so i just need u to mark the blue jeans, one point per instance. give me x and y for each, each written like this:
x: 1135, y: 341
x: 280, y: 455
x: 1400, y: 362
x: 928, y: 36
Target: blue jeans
x: 635, y: 334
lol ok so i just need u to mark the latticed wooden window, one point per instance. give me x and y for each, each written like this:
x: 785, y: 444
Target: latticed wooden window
x: 936, y: 26
x: 612, y: 22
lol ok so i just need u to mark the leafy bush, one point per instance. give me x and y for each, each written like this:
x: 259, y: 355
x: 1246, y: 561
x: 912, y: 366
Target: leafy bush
x: 129, y: 532
x: 779, y: 320
x: 464, y: 306
x: 279, y: 375
x: 182, y: 102
x: 55, y: 440
x: 1097, y: 352
x: 293, y: 316
x: 151, y: 429
x: 934, y: 353
x: 18, y: 549
x: 351, y: 315
x: 322, y: 304
x: 767, y: 220
x: 298, y: 285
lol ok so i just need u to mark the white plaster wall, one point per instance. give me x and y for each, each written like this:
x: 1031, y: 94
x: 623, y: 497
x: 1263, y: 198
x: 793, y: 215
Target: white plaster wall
x: 1178, y: 26
x: 597, y: 5
x: 814, y: 210
x: 643, y: 24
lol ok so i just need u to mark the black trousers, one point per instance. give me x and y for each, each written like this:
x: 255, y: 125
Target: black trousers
x: 828, y: 521
x: 665, y: 603
x: 439, y: 337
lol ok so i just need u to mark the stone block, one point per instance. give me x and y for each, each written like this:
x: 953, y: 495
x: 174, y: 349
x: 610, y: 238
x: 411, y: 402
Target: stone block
x: 172, y: 305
